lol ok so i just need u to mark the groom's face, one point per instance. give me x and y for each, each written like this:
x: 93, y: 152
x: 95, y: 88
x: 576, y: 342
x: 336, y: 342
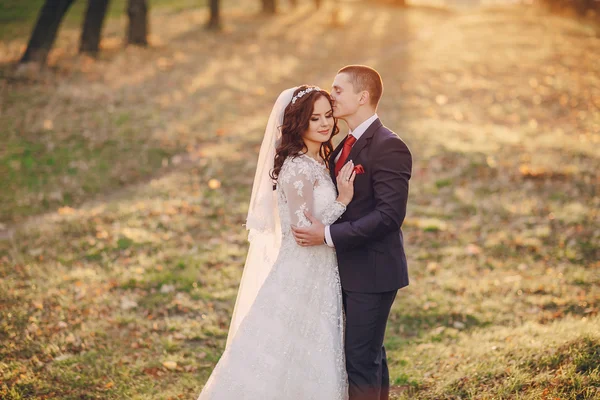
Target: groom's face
x: 345, y: 100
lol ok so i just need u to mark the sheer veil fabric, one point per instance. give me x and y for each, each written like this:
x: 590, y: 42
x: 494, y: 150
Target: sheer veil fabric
x: 263, y: 218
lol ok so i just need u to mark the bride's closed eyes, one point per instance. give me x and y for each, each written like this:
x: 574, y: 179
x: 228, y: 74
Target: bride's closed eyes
x: 328, y: 116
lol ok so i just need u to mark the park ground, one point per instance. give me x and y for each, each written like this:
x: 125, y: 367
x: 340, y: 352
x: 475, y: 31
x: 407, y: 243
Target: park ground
x: 125, y: 182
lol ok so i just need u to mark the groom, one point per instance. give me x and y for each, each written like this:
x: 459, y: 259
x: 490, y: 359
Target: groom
x: 367, y: 238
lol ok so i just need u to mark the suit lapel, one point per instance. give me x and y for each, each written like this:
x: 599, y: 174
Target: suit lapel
x: 364, y: 139
x: 356, y: 149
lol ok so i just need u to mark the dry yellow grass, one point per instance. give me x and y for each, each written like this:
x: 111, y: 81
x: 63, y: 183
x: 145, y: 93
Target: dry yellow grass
x: 128, y: 294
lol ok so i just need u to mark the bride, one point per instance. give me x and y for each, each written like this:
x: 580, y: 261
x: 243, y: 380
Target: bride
x: 286, y: 335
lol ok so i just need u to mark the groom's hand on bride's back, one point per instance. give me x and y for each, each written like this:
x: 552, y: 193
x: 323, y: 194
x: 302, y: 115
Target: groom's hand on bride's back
x: 314, y: 235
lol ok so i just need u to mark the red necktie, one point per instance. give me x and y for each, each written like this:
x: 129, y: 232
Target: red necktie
x: 345, y: 153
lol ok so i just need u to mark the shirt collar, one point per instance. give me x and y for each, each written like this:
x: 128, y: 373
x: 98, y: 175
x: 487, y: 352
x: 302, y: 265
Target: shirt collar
x: 358, y: 132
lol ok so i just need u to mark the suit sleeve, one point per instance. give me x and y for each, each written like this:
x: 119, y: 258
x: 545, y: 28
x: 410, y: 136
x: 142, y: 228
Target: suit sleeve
x: 392, y: 169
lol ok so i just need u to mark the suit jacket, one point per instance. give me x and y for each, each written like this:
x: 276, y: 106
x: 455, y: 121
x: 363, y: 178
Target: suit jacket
x: 368, y: 237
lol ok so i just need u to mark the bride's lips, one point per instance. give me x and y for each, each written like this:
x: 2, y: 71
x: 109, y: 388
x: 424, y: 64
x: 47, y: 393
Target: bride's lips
x: 325, y: 132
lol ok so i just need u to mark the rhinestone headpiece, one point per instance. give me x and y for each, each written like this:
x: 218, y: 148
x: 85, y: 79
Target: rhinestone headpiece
x: 303, y: 92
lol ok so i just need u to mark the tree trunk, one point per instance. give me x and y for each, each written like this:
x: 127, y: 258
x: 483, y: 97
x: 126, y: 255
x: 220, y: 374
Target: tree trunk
x: 335, y: 14
x: 92, y: 26
x: 214, y: 23
x: 269, y: 6
x: 137, y: 31
x: 44, y: 33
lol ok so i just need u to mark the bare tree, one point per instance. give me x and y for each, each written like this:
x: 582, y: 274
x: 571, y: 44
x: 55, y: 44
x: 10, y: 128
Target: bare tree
x: 137, y: 31
x: 269, y: 6
x: 335, y: 14
x: 294, y: 3
x: 92, y: 26
x: 44, y: 34
x: 214, y: 23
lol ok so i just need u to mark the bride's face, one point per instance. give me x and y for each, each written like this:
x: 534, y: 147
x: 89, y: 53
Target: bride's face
x: 321, y: 122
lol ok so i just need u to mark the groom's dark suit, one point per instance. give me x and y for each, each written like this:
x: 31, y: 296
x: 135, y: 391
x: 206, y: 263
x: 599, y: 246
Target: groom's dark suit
x: 370, y: 251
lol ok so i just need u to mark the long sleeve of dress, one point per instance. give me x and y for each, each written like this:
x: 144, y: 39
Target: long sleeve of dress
x: 298, y: 183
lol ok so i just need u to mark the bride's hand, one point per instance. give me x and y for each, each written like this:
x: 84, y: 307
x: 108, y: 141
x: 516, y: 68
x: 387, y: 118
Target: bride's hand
x: 345, y: 183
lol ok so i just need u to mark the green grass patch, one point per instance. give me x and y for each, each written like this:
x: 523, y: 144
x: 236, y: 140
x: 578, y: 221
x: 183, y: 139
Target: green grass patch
x: 45, y: 169
x: 440, y: 183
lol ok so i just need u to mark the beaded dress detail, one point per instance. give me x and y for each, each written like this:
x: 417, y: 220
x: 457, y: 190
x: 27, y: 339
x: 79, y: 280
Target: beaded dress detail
x: 290, y: 345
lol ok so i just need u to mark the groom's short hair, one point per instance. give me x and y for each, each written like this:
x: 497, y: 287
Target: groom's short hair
x: 365, y: 78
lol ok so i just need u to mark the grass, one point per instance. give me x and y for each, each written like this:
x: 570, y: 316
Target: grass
x: 42, y: 173
x: 123, y: 286
x: 528, y: 362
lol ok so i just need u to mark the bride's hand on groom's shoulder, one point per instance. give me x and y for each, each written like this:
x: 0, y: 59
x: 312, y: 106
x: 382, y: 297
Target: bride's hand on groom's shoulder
x: 345, y: 183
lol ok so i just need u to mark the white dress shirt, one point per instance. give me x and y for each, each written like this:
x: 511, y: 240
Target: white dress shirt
x: 357, y: 133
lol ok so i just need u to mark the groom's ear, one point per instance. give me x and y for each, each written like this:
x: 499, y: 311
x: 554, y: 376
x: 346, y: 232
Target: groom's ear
x: 364, y: 97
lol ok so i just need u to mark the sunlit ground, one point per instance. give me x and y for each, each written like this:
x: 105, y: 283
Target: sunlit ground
x: 128, y: 179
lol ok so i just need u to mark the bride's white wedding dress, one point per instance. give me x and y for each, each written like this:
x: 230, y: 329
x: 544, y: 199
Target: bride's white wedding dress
x: 290, y: 343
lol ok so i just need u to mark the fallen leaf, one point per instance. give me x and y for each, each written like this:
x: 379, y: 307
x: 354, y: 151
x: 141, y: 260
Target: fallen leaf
x: 128, y: 304
x: 170, y: 365
x: 214, y: 184
x: 473, y: 249
x: 458, y: 325
x: 441, y: 99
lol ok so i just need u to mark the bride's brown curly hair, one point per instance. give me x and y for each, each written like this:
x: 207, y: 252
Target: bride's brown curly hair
x: 296, y: 119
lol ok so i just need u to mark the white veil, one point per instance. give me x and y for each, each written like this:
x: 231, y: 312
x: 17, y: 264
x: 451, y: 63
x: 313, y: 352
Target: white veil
x: 263, y: 219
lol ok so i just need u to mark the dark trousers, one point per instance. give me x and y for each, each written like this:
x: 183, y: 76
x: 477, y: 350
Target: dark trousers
x: 366, y: 319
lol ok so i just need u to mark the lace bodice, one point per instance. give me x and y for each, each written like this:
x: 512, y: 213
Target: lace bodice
x: 304, y: 184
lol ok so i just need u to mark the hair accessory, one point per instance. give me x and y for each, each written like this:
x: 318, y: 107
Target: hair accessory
x: 303, y: 92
